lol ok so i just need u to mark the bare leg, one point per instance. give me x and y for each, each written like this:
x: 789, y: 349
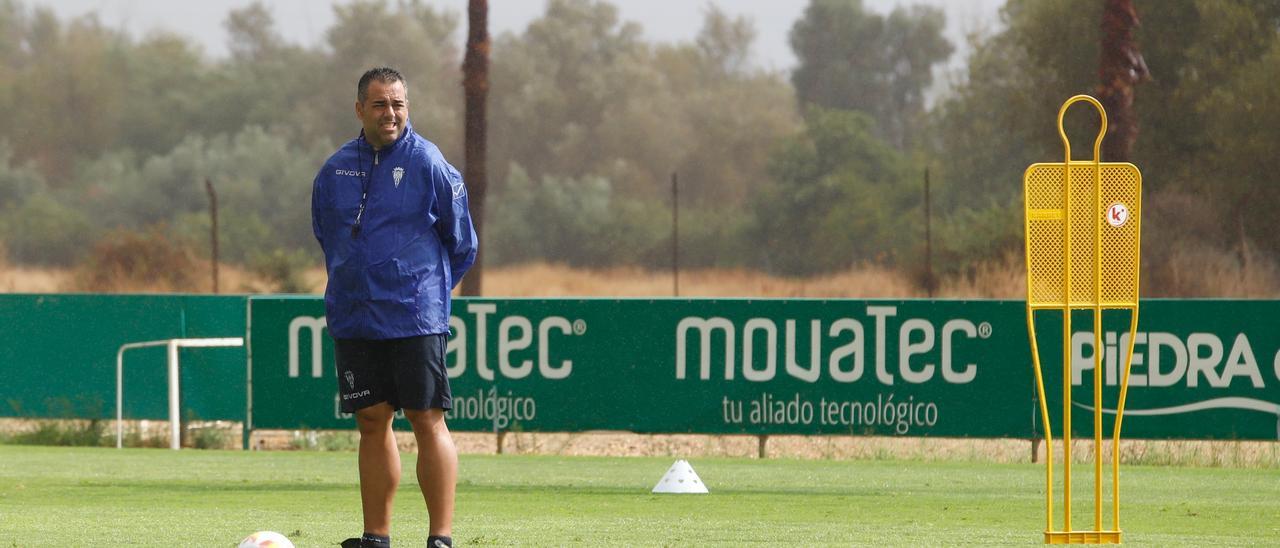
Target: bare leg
x: 379, y: 467
x: 437, y: 467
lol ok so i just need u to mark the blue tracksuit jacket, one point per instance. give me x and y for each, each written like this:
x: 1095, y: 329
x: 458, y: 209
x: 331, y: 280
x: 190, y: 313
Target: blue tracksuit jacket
x: 391, y: 278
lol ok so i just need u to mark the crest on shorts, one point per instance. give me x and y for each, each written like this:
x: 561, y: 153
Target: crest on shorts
x: 351, y: 379
x: 397, y: 174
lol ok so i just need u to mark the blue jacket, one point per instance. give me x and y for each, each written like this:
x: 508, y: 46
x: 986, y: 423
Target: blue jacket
x: 391, y: 277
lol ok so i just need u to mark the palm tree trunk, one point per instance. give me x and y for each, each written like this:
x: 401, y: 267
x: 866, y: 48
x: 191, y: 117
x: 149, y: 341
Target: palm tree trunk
x: 1120, y: 68
x: 475, y: 84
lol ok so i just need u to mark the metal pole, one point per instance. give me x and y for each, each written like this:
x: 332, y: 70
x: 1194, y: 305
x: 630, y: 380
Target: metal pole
x: 675, y: 234
x: 928, y: 238
x: 213, y: 231
x: 175, y: 440
x: 120, y: 399
x: 120, y: 385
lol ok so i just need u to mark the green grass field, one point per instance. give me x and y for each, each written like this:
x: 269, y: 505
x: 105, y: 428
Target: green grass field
x: 57, y: 496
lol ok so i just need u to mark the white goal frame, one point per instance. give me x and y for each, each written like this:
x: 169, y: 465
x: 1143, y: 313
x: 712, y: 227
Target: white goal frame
x: 175, y: 438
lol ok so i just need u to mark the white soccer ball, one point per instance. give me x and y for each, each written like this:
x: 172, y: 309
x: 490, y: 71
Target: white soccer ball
x: 266, y: 539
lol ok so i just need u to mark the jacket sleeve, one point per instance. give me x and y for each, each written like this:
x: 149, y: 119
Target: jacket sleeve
x: 453, y: 220
x: 316, y: 207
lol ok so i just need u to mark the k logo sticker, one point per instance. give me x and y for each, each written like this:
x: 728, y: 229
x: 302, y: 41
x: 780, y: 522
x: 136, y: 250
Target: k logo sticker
x: 397, y: 174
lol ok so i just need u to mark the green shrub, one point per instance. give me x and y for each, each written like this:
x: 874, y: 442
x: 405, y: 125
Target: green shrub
x: 44, y: 230
x: 208, y: 436
x: 579, y: 222
x: 90, y: 433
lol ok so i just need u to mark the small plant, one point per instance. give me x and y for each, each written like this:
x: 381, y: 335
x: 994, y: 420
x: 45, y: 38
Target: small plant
x: 209, y: 436
x: 82, y: 433
x: 304, y: 440
x: 339, y: 441
x: 136, y: 436
x: 315, y: 440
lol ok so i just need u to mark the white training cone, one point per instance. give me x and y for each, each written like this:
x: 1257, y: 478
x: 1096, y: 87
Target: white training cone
x: 680, y: 478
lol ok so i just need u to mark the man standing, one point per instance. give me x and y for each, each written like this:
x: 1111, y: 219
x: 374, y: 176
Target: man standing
x: 391, y: 216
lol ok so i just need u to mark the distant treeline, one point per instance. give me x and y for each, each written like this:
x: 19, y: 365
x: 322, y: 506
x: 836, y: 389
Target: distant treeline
x: 805, y: 172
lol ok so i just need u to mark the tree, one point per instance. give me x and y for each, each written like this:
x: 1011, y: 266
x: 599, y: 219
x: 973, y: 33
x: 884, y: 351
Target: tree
x: 67, y: 94
x: 1240, y: 169
x: 850, y: 58
x: 725, y: 43
x: 409, y: 35
x: 839, y: 198
x: 726, y: 118
x: 169, y: 94
x: 1204, y: 118
x: 579, y: 96
x: 475, y: 83
x: 252, y: 32
x: 556, y: 84
x: 1120, y: 69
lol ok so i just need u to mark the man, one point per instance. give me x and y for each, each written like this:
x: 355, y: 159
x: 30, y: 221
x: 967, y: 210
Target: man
x: 391, y: 216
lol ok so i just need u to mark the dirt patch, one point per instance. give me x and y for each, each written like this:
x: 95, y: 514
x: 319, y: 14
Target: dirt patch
x: 1243, y: 454
x: 227, y: 435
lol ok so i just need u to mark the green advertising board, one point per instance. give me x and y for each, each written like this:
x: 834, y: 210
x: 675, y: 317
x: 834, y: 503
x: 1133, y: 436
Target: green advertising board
x: 916, y: 368
x: 58, y: 355
x: 1202, y: 369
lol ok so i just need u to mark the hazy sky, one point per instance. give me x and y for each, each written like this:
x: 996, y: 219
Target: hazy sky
x: 304, y: 21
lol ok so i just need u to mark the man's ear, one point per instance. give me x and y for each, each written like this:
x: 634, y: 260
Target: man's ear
x: 359, y: 111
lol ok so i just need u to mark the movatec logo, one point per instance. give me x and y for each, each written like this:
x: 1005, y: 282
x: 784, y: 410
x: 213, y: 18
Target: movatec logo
x: 519, y: 340
x: 838, y: 349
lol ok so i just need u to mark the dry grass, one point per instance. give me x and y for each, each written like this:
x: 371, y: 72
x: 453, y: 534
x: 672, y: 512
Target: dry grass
x: 1004, y: 280
x: 15, y: 279
x: 20, y: 279
x: 1191, y: 272
x: 555, y: 280
x: 1202, y: 271
x: 551, y: 280
x: 869, y: 282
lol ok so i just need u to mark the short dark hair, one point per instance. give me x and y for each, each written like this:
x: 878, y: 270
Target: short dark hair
x: 386, y: 75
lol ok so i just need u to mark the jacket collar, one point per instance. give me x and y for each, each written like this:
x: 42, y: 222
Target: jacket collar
x: 399, y: 142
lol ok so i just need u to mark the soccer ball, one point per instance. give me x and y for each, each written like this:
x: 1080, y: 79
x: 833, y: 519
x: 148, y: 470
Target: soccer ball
x: 266, y: 539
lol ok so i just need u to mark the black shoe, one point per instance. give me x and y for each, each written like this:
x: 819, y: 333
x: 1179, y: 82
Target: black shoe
x: 360, y: 543
x: 439, y: 542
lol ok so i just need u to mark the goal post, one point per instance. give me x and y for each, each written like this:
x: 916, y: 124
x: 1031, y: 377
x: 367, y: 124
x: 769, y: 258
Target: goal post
x: 175, y: 438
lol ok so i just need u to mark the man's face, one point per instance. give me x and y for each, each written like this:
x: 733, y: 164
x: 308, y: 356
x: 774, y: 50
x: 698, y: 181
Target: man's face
x: 383, y: 112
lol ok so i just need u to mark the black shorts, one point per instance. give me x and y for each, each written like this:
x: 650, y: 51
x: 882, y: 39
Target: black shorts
x: 407, y: 373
